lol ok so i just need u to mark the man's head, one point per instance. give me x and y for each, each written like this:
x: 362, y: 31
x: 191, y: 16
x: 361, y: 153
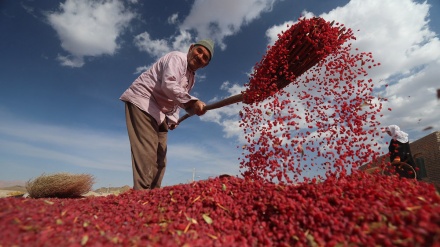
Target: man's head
x: 200, y: 54
x: 208, y: 44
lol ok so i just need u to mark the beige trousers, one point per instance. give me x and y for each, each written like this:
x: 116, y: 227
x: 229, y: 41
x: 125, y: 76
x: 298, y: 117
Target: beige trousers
x: 148, y: 142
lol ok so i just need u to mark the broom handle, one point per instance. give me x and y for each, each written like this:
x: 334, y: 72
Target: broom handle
x: 228, y: 101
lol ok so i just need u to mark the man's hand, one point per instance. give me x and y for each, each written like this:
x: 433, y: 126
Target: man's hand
x: 196, y: 107
x: 199, y: 108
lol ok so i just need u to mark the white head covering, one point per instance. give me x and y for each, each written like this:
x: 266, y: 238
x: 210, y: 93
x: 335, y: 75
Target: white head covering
x: 397, y: 134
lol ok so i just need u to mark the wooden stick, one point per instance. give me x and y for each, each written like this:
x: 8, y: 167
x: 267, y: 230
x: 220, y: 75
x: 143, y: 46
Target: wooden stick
x: 228, y: 101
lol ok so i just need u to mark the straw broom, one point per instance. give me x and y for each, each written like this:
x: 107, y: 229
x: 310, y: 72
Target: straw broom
x: 297, y: 50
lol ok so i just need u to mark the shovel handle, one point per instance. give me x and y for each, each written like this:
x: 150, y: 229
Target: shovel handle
x: 228, y: 101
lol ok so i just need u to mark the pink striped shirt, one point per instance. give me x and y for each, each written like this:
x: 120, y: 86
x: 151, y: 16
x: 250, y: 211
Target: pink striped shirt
x: 163, y: 88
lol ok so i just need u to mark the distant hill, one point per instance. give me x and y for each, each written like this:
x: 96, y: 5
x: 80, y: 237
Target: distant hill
x: 9, y: 183
x: 113, y: 189
x: 15, y: 188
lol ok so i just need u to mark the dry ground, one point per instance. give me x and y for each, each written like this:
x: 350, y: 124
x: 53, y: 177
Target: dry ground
x: 18, y: 190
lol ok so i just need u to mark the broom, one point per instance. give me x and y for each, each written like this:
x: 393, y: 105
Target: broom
x: 298, y: 49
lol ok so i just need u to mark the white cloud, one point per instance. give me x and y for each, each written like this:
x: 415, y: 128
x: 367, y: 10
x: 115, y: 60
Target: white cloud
x: 173, y: 18
x: 227, y: 19
x: 30, y: 10
x: 398, y: 35
x: 141, y: 69
x: 412, y: 98
x: 272, y: 33
x: 156, y: 48
x: 219, y: 19
x: 159, y: 47
x: 89, y: 28
x: 71, y: 61
x: 182, y: 41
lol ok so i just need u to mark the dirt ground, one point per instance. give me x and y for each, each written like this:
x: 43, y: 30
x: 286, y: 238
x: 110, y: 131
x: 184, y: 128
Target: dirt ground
x: 17, y: 190
x: 8, y: 193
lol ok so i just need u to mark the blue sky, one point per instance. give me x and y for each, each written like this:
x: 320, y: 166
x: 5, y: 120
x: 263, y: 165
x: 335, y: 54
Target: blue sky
x: 64, y: 65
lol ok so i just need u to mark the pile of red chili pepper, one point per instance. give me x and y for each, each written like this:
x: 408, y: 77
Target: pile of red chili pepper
x: 355, y: 210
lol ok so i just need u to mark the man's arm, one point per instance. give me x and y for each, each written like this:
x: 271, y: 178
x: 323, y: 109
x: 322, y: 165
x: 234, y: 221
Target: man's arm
x: 174, y: 72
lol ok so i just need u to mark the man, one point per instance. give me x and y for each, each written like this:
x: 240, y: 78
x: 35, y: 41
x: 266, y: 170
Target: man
x: 152, y: 105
